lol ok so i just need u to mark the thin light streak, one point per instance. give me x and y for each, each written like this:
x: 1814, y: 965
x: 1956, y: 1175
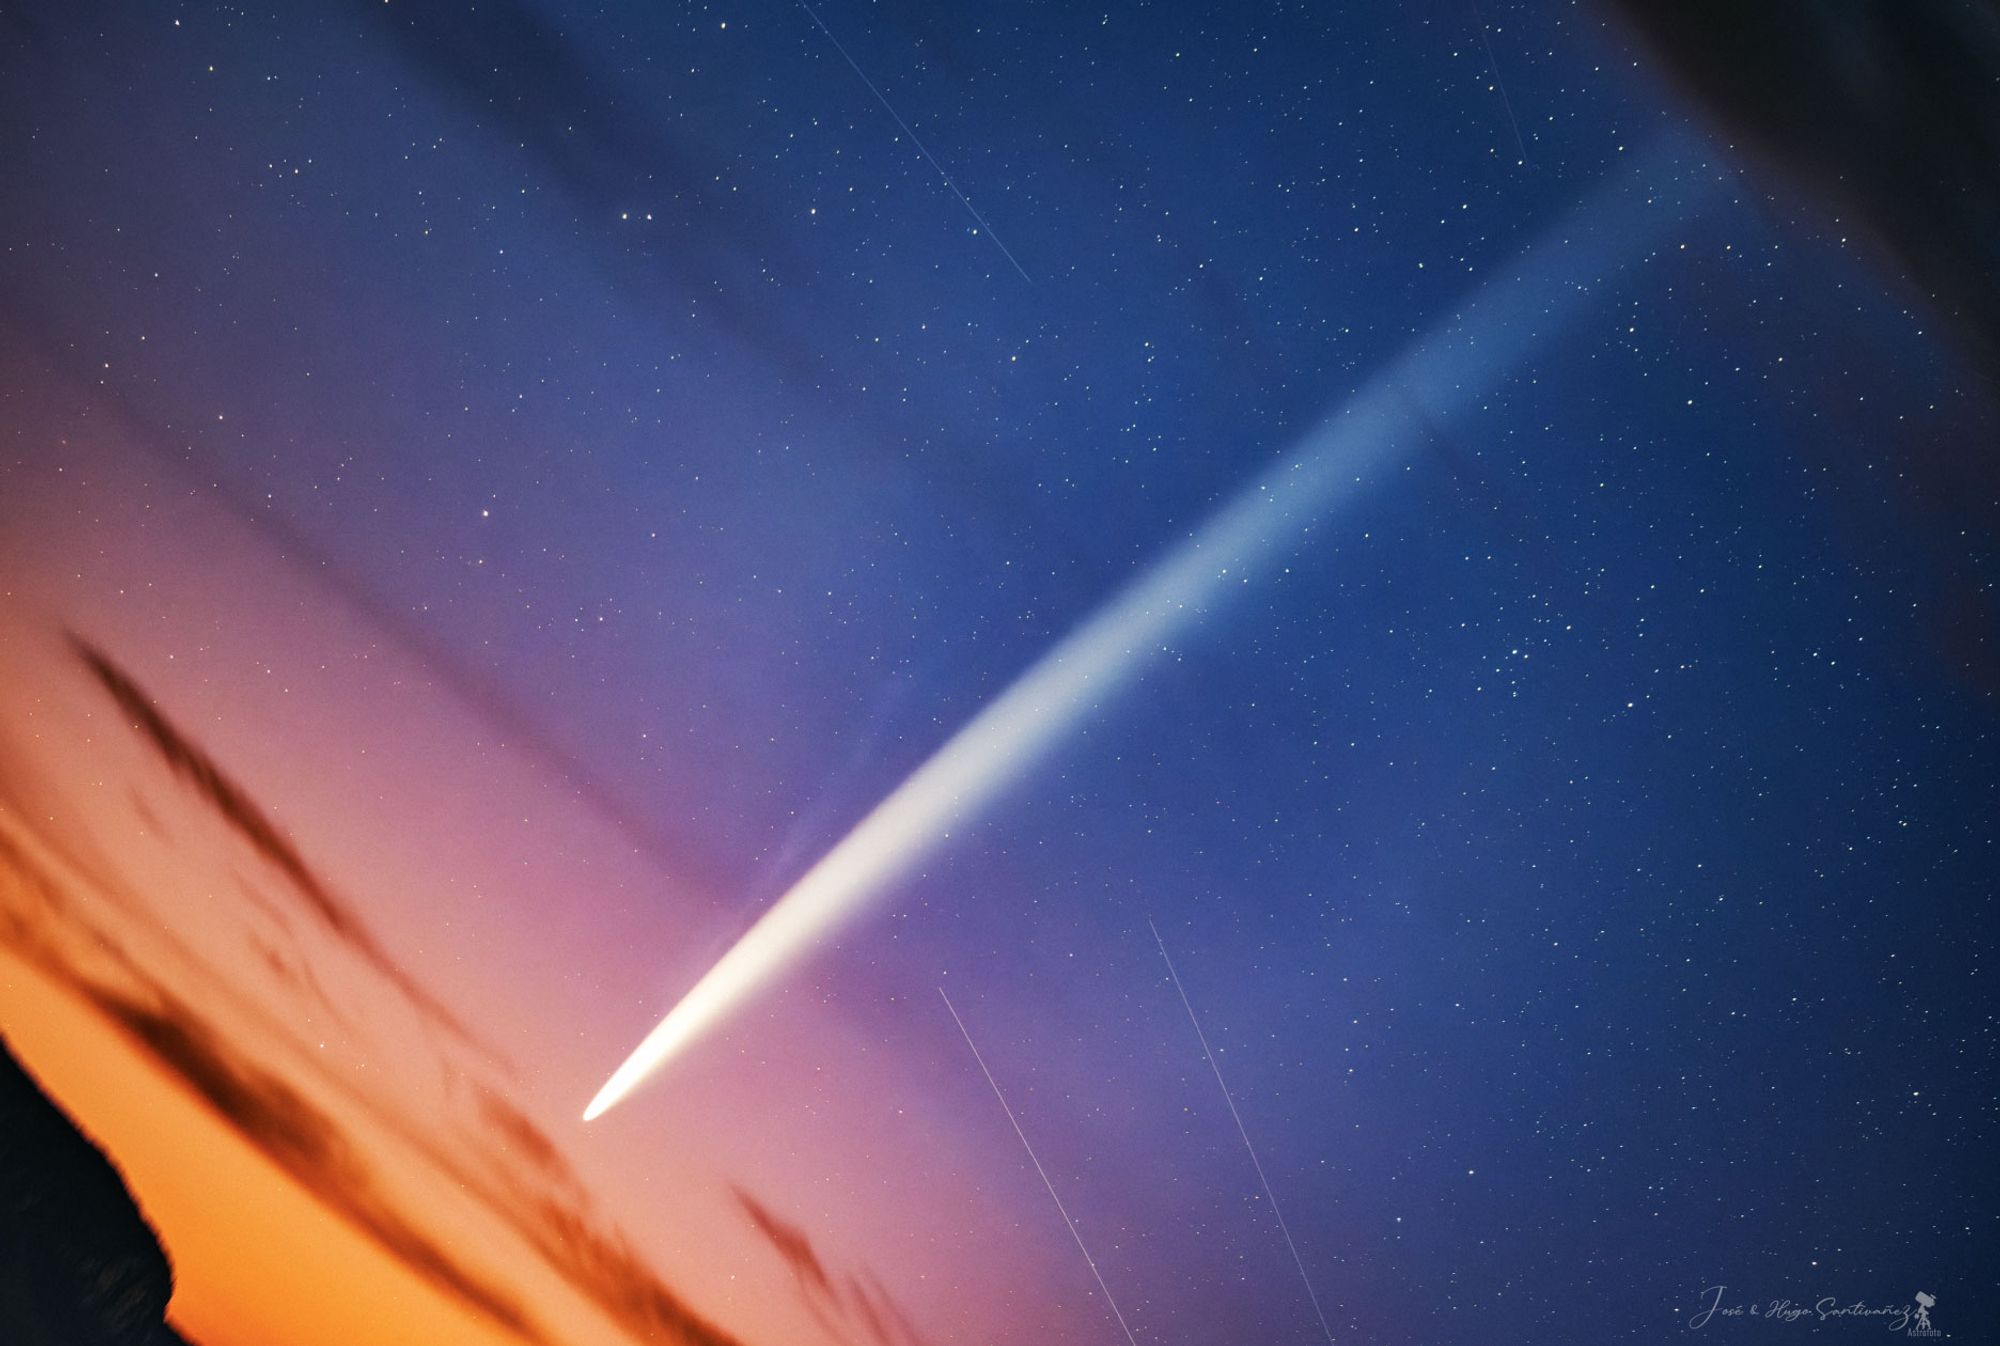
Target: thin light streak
x: 1493, y: 65
x: 922, y: 149
x: 1242, y: 1131
x: 1060, y: 1208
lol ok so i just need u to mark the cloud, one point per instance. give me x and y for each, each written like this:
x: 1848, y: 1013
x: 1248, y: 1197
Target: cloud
x: 506, y: 1163
x: 517, y: 73
x: 790, y: 1241
x: 523, y: 1139
x: 301, y: 1139
x: 841, y: 1304
x: 274, y: 1116
x: 250, y: 822
x: 495, y: 1154
x: 600, y: 1265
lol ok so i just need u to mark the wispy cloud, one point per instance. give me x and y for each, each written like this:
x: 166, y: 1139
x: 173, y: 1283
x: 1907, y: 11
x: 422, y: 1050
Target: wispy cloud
x: 303, y: 1140
x: 250, y: 822
x: 497, y: 1155
x: 843, y: 1303
x: 41, y: 923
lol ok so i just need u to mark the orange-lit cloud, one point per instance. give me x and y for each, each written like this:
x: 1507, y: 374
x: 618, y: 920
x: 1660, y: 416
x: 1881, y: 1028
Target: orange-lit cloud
x: 236, y: 808
x: 498, y: 1157
x: 302, y: 1140
x: 856, y: 1301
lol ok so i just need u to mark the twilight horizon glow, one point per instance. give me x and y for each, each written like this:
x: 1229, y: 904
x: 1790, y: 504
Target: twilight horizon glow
x: 1380, y: 728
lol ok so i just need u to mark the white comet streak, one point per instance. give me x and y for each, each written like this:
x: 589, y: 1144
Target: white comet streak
x: 882, y: 98
x: 1242, y: 1131
x: 1090, y: 1261
x: 1457, y: 365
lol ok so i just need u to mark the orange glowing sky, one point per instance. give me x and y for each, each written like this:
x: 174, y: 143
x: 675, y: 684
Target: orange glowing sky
x: 485, y: 886
x: 1420, y: 668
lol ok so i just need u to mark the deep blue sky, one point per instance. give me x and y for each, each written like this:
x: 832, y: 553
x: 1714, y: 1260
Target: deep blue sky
x: 1581, y: 856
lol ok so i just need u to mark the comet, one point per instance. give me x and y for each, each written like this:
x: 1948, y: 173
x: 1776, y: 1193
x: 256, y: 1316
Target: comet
x: 1494, y: 333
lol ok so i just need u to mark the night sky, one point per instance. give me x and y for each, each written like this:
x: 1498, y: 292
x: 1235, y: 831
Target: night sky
x: 562, y: 466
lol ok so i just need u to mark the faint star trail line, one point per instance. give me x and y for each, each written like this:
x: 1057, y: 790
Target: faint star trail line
x: 855, y: 66
x: 1256, y: 1163
x: 1493, y: 65
x: 1038, y: 1167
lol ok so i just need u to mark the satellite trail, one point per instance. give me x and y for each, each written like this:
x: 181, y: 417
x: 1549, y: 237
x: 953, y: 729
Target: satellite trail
x: 1255, y: 1163
x: 922, y: 149
x: 1493, y: 64
x: 1088, y: 1260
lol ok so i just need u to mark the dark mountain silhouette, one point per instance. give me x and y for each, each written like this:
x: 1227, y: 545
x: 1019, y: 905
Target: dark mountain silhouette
x: 1884, y: 108
x: 79, y: 1265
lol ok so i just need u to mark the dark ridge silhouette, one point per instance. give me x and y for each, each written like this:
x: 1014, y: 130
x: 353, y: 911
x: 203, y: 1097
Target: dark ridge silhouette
x: 79, y: 1265
x: 522, y: 1180
x: 1888, y: 109
x: 305, y: 1141
x: 507, y: 1164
